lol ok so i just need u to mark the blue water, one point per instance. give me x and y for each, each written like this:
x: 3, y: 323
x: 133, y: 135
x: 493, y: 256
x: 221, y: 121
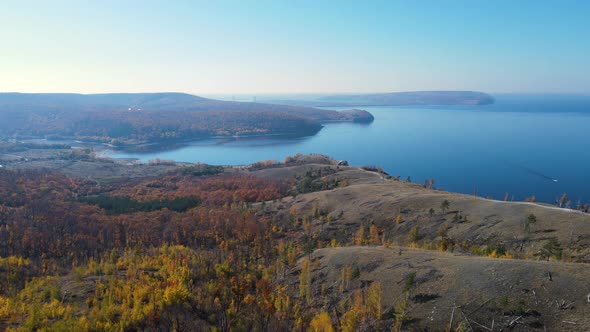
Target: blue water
x: 522, y: 145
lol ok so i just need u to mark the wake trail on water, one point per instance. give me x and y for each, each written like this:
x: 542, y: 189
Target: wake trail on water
x: 532, y: 171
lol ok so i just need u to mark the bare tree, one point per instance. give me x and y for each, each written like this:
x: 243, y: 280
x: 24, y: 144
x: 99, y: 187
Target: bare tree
x: 562, y: 200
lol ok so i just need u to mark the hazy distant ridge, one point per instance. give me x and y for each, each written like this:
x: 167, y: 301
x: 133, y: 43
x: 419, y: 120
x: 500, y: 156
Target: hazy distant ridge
x: 415, y: 98
x: 160, y: 101
x: 398, y: 99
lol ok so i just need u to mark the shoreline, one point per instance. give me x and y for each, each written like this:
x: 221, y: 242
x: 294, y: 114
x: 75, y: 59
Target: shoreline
x: 54, y: 159
x: 536, y: 204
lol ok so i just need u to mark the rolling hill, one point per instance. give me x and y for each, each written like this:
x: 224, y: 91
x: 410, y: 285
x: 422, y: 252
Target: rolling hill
x: 278, y: 246
x: 140, y: 117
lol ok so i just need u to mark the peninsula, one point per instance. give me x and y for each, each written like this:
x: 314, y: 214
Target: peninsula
x: 127, y: 119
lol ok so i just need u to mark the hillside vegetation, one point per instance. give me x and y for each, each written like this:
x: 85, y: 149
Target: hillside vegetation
x: 299, y: 245
x: 141, y: 117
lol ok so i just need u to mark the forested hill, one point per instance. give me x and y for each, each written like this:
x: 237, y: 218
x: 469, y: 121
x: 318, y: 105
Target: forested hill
x: 154, y: 116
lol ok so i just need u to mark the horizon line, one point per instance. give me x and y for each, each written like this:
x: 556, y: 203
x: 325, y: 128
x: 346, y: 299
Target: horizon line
x: 570, y: 93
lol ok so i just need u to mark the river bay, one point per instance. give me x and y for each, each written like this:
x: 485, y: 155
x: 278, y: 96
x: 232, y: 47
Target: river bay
x: 521, y: 146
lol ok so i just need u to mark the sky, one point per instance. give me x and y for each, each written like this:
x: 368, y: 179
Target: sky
x: 278, y: 47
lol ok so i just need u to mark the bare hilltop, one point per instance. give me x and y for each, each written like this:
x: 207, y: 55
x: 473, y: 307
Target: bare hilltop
x: 443, y: 261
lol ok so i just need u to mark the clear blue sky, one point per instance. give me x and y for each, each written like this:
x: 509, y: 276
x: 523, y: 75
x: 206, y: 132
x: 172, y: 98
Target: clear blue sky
x: 208, y: 47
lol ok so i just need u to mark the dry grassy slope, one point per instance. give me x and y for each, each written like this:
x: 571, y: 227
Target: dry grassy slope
x: 483, y: 289
x: 370, y: 198
x: 486, y: 289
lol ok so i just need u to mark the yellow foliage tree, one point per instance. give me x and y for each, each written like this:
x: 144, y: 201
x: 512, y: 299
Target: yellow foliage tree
x: 373, y: 300
x: 305, y: 280
x: 359, y: 237
x: 351, y: 320
x: 374, y: 235
x: 345, y: 277
x: 321, y: 323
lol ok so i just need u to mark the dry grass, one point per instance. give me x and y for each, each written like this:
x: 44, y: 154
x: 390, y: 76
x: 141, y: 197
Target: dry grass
x: 525, y: 294
x: 370, y: 198
x: 481, y: 289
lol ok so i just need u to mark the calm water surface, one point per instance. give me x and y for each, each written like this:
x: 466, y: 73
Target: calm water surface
x: 522, y: 146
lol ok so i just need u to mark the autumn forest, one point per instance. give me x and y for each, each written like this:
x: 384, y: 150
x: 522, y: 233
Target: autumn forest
x: 184, y: 251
